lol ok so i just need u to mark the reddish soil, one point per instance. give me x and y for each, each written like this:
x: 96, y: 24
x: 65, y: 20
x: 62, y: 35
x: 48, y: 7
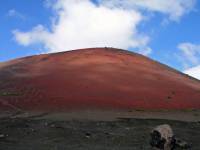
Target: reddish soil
x: 94, y: 78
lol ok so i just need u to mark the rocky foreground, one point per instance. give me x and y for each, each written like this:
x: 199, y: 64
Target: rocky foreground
x: 36, y: 133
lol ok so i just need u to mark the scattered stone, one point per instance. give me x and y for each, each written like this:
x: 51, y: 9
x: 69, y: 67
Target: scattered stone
x: 88, y: 135
x: 56, y: 126
x: 169, y: 97
x: 182, y: 145
x: 46, y: 124
x: 107, y: 133
x: 127, y: 128
x: 2, y: 136
x: 52, y: 125
x: 33, y: 130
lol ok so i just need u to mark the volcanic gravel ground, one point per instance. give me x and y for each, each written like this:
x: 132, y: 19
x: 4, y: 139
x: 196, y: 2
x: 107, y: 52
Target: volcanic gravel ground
x: 124, y: 134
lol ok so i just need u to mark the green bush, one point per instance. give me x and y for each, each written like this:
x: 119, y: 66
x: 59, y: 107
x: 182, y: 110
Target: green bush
x: 9, y: 94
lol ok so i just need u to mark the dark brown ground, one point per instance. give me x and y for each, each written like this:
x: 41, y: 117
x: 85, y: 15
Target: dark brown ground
x: 38, y: 133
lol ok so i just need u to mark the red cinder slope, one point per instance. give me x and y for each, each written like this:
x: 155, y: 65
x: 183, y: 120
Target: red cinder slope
x: 95, y: 78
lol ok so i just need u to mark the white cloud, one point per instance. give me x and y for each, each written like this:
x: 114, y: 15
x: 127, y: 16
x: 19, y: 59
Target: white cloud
x: 82, y: 23
x: 190, y: 53
x: 194, y: 72
x: 190, y: 56
x: 173, y: 8
x: 15, y: 13
x: 37, y: 34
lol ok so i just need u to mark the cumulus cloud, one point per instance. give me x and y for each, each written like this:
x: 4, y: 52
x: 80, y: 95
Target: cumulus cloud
x: 83, y: 23
x: 173, y: 8
x: 190, y: 53
x: 190, y: 56
x: 194, y: 72
x: 37, y: 34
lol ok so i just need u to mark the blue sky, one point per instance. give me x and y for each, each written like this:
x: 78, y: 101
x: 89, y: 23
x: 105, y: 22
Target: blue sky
x: 167, y: 31
x: 31, y: 13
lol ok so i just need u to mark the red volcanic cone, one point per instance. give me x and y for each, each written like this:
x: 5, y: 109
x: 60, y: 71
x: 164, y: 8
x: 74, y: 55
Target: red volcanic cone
x: 95, y: 78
